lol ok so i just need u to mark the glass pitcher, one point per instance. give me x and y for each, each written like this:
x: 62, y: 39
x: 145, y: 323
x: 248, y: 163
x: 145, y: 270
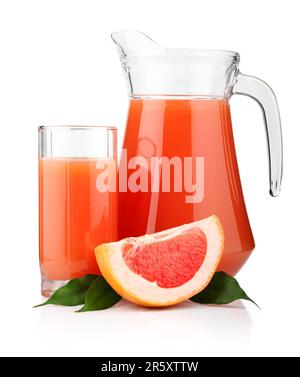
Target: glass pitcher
x: 178, y: 162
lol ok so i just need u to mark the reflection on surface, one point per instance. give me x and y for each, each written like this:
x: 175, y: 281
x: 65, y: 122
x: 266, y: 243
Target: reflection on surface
x: 128, y: 329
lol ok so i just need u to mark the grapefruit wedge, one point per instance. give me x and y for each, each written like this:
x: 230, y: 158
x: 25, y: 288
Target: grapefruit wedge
x: 164, y: 268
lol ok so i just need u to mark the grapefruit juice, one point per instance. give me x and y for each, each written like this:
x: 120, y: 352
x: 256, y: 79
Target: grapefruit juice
x: 75, y: 216
x: 186, y: 128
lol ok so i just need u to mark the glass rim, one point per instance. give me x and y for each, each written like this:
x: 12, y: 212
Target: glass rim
x: 147, y: 47
x: 188, y: 53
x: 77, y: 127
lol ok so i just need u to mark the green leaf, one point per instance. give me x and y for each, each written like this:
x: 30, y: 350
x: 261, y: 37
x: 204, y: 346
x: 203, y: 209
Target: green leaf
x: 100, y: 296
x: 222, y: 289
x: 71, y: 294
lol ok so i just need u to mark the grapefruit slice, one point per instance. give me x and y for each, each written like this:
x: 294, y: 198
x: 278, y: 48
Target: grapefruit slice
x: 164, y: 268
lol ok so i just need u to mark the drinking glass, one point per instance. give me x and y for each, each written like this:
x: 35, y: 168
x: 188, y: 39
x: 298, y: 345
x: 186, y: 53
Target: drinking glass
x: 77, y: 200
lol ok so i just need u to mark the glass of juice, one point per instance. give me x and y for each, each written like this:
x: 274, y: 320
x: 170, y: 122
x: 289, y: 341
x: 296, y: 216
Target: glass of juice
x: 77, y: 200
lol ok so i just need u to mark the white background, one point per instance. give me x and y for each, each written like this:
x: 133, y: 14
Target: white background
x: 58, y: 66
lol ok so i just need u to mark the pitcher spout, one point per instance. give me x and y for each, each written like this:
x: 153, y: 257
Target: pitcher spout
x: 132, y: 42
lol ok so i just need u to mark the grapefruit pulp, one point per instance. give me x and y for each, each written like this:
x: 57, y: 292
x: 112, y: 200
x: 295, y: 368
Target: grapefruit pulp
x: 163, y: 268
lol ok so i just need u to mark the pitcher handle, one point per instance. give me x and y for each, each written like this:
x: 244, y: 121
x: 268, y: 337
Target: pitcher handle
x: 262, y: 93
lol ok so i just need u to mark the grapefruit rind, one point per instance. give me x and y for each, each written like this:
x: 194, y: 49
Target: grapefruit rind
x: 138, y: 290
